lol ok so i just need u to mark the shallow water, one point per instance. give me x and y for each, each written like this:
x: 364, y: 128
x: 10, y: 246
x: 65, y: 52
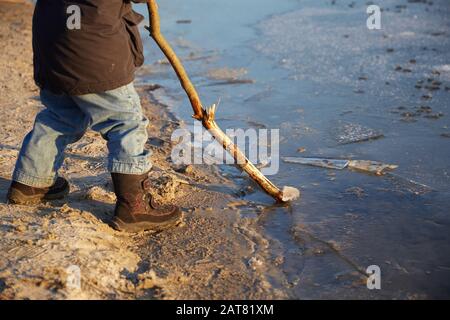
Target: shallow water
x: 316, y: 69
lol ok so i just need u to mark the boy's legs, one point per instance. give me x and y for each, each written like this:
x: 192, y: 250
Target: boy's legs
x: 42, y: 152
x: 118, y: 116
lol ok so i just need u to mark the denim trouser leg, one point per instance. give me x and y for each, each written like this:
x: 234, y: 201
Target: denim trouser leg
x: 117, y: 115
x: 41, y: 155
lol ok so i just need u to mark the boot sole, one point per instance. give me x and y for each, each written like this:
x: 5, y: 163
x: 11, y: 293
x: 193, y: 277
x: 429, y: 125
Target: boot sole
x: 119, y: 225
x: 17, y: 197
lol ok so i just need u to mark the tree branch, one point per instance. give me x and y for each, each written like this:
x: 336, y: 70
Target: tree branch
x: 207, y: 116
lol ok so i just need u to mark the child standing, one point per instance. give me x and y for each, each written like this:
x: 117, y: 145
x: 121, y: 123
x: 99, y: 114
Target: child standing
x: 85, y: 56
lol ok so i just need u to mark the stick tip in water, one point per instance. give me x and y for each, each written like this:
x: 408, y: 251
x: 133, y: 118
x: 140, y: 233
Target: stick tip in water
x: 290, y: 194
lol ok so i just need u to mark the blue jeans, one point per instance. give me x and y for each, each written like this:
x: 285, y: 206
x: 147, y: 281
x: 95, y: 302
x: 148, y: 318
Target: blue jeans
x: 116, y: 114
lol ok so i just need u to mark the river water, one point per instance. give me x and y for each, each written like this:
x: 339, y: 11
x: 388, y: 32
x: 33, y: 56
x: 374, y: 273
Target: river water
x: 316, y: 69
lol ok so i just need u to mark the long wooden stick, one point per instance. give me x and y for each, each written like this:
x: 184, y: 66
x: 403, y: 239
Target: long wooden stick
x: 207, y: 116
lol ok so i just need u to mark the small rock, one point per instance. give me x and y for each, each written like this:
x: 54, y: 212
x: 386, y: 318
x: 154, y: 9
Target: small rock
x: 99, y: 194
x: 436, y: 83
x: 357, y: 191
x: 424, y: 109
x: 435, y: 72
x: 255, y: 262
x: 184, y: 21
x: 21, y: 228
x: 432, y: 88
x: 434, y: 116
x: 164, y: 187
x: 188, y: 169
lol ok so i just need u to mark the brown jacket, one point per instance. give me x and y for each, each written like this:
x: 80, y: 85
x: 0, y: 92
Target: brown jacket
x: 101, y: 54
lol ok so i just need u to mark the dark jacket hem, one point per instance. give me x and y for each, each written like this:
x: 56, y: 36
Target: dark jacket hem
x: 90, y: 88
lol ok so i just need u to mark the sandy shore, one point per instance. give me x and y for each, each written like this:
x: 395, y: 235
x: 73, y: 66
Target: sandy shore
x: 215, y: 253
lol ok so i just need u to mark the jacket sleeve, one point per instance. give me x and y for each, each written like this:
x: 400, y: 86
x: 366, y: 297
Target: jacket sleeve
x: 132, y: 20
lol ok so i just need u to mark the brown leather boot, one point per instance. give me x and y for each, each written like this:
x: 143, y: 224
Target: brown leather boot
x: 135, y: 208
x: 20, y: 193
